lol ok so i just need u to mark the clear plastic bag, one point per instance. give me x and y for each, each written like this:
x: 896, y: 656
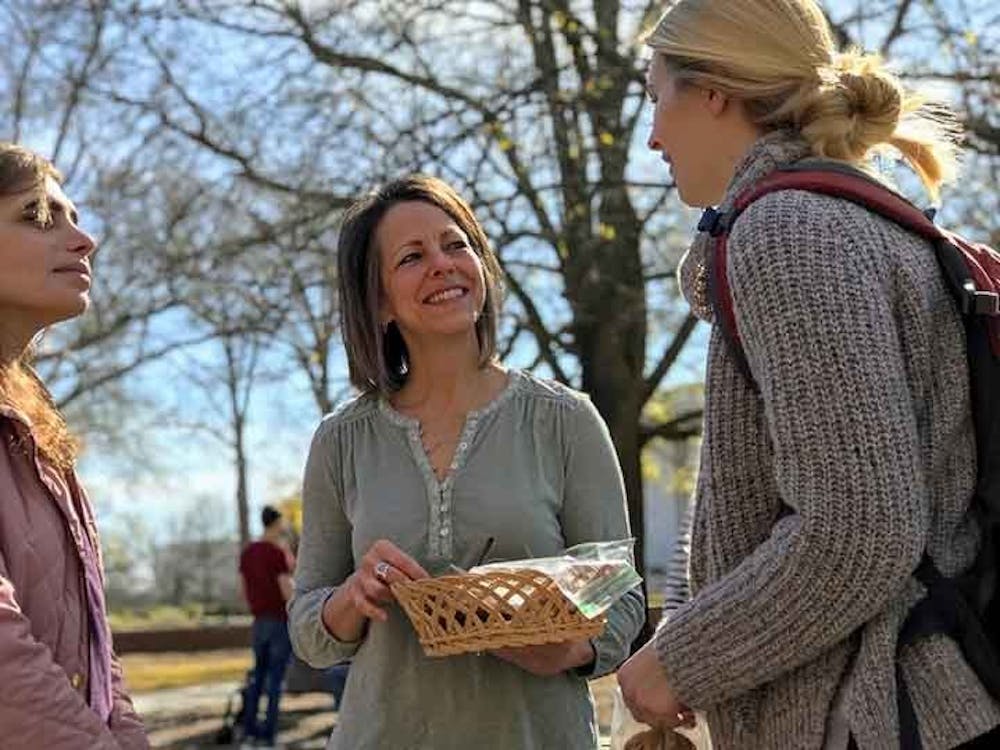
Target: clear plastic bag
x: 593, y: 575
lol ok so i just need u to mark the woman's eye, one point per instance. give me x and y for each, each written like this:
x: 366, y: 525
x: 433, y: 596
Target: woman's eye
x: 458, y: 245
x: 41, y: 222
x: 409, y: 258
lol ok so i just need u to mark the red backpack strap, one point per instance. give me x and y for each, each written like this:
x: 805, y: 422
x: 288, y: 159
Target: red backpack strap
x: 981, y: 284
x: 719, y: 292
x: 972, y: 271
x: 842, y: 181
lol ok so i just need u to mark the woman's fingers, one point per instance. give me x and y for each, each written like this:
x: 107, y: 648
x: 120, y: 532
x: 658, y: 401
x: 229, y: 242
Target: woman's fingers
x: 386, y: 552
x: 369, y: 610
x: 363, y: 601
x: 549, y: 658
x: 375, y: 588
x: 382, y: 565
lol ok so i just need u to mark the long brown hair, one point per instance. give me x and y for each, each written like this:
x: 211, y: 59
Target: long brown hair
x: 22, y: 170
x: 377, y: 359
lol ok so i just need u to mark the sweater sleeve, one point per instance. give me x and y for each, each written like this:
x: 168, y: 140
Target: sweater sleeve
x: 815, y: 314
x: 594, y: 510
x: 325, y: 558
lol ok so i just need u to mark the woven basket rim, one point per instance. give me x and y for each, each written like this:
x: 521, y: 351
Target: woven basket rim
x: 458, y: 613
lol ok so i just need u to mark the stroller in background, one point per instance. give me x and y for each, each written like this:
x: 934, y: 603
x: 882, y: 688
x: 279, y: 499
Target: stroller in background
x: 299, y: 678
x: 231, y: 731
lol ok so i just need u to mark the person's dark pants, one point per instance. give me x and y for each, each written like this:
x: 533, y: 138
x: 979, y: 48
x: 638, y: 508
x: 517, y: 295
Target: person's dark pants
x: 989, y: 741
x: 271, y: 651
x: 336, y: 680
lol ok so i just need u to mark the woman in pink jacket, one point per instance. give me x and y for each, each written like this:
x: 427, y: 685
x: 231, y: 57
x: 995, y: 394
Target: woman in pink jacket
x: 62, y: 685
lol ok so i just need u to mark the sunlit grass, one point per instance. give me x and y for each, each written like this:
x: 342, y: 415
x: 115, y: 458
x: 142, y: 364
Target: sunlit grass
x: 145, y: 672
x: 168, y: 616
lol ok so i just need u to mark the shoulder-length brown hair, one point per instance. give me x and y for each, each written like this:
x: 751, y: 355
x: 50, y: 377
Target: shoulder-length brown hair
x: 21, y: 171
x: 377, y: 359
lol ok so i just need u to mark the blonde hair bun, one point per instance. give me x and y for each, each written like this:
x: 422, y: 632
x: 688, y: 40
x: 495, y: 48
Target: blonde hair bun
x: 856, y: 106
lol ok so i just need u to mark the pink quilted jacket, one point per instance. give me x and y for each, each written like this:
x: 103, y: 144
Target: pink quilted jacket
x: 44, y: 646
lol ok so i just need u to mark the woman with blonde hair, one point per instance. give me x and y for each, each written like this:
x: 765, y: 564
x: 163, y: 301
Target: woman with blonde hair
x: 845, y: 451
x: 62, y: 684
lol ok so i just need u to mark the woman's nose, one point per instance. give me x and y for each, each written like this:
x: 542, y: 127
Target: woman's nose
x: 441, y: 261
x: 82, y: 242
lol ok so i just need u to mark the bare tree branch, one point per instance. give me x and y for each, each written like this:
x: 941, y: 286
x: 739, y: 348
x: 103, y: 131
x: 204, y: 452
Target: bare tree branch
x: 669, y: 356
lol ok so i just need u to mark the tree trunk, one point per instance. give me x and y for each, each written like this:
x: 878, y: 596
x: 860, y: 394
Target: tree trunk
x: 242, y: 500
x: 622, y: 415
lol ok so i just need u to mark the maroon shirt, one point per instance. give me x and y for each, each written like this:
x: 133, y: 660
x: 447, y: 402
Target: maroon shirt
x: 260, y: 565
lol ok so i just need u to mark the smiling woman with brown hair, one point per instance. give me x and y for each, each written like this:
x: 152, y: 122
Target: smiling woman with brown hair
x: 62, y: 684
x: 444, y: 449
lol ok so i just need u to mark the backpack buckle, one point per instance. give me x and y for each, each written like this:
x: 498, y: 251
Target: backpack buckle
x: 713, y: 221
x: 985, y: 303
x: 975, y: 302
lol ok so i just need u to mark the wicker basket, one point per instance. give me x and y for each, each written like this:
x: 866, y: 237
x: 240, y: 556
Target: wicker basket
x: 481, y: 611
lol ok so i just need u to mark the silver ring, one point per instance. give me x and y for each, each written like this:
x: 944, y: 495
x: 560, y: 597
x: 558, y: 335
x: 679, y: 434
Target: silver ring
x: 382, y: 571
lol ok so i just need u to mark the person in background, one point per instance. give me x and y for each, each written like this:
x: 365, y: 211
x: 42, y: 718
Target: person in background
x: 61, y: 685
x: 266, y: 567
x: 845, y: 450
x: 676, y: 588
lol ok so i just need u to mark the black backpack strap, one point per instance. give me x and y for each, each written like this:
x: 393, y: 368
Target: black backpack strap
x: 944, y: 611
x: 909, y: 725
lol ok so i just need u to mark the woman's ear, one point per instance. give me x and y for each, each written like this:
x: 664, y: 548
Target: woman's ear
x: 715, y: 101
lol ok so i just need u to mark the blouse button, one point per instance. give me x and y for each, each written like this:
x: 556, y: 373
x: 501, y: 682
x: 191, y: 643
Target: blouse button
x: 76, y: 680
x: 463, y: 446
x: 444, y: 531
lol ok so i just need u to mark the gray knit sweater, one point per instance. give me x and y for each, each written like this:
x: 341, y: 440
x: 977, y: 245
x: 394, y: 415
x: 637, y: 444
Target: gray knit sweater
x: 862, y: 426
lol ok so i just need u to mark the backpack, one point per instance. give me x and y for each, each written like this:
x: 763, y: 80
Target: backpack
x: 966, y: 607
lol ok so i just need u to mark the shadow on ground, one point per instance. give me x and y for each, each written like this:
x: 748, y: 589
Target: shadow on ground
x: 190, y: 718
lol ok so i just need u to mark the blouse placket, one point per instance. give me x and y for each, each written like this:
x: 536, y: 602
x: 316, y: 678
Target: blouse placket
x: 440, y: 493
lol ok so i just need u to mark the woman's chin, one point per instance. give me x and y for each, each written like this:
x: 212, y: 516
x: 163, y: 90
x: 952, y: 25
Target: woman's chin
x: 71, y: 308
x: 691, y: 196
x: 459, y: 326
